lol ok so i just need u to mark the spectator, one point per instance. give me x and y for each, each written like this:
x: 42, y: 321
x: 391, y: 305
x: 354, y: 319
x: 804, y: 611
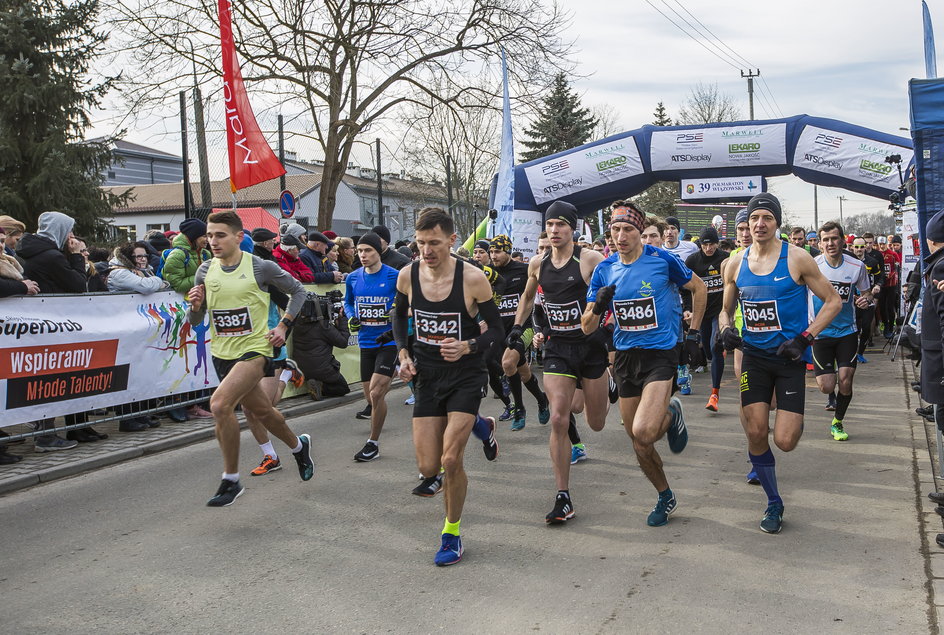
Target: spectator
x: 389, y: 257
x: 95, y: 282
x: 332, y: 258
x: 330, y: 235
x: 11, y: 276
x: 345, y: 254
x: 187, y: 253
x: 315, y: 337
x: 155, y: 242
x: 315, y: 257
x: 406, y: 251
x: 131, y: 271
x: 517, y: 255
x: 13, y: 230
x: 286, y: 254
x: 295, y: 230
x: 932, y: 331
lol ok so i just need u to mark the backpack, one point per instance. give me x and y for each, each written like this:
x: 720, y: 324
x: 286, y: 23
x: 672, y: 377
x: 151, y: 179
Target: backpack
x: 160, y: 267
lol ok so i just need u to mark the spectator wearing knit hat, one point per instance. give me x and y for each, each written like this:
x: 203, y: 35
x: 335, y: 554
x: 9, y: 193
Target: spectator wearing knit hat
x: 389, y: 257
x: 187, y: 253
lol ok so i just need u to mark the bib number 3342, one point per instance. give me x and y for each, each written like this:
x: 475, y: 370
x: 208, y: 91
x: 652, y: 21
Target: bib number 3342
x: 433, y: 328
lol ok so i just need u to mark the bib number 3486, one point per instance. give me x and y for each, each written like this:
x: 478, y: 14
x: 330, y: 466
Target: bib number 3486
x: 637, y: 314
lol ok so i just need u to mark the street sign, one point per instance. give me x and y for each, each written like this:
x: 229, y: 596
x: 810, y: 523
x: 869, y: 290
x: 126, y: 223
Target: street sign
x: 287, y: 204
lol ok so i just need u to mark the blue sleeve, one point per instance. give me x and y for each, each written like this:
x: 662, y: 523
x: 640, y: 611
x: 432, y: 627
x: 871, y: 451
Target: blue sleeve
x: 349, y: 296
x: 678, y: 272
x: 597, y: 280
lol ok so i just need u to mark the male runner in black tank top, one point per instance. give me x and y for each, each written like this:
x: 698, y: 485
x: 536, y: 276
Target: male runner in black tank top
x: 448, y: 370
x: 569, y: 355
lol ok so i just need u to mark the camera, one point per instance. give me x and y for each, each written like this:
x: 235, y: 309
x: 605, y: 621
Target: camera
x: 318, y: 308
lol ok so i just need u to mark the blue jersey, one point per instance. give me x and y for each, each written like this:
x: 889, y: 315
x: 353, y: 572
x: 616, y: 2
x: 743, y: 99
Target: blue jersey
x: 646, y: 309
x: 773, y: 306
x: 849, y: 279
x: 369, y: 298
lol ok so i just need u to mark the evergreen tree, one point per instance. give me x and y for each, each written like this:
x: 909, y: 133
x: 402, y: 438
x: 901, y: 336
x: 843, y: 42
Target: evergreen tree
x: 46, y: 47
x: 659, y: 198
x: 561, y: 124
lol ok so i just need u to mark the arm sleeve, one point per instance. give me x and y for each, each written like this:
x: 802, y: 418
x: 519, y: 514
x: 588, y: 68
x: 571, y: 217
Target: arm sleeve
x: 401, y: 326
x: 495, y: 332
x: 269, y: 274
x: 196, y: 317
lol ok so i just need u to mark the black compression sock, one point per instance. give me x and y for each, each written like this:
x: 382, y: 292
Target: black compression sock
x: 514, y: 382
x: 494, y: 380
x: 842, y: 404
x: 535, y: 389
x: 572, y: 430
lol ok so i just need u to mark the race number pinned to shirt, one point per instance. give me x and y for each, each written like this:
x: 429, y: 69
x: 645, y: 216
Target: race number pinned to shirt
x: 637, y: 314
x: 232, y: 322
x: 563, y: 317
x: 373, y: 314
x: 844, y: 289
x: 433, y: 328
x: 714, y: 283
x: 760, y: 317
x: 508, y: 306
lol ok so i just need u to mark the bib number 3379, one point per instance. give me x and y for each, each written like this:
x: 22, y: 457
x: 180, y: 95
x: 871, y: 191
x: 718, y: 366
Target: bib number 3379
x: 563, y: 317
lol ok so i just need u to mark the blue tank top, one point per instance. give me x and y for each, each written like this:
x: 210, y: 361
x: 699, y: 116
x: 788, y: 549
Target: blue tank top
x: 774, y: 306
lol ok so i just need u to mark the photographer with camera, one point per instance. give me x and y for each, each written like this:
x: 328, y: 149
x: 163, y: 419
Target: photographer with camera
x: 320, y: 328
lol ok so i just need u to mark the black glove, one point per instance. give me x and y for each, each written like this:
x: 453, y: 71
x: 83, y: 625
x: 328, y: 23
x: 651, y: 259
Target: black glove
x: 793, y: 349
x: 604, y: 297
x: 385, y: 338
x: 729, y: 339
x: 353, y: 325
x: 514, y: 335
x: 693, y: 347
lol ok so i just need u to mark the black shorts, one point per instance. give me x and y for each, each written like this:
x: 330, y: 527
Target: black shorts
x: 760, y: 376
x: 381, y: 360
x: 580, y: 360
x: 440, y: 390
x: 636, y: 367
x: 223, y: 366
x: 830, y: 353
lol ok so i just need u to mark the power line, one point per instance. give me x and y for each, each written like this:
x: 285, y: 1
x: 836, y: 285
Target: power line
x: 731, y: 61
x: 736, y: 55
x: 691, y: 36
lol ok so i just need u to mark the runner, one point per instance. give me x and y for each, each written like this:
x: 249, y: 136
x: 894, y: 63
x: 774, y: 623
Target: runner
x: 480, y: 253
x: 449, y: 369
x: 865, y: 317
x: 640, y: 285
x: 706, y: 264
x: 514, y: 361
x: 569, y: 356
x: 836, y: 348
x: 768, y: 280
x: 368, y: 299
x: 233, y: 287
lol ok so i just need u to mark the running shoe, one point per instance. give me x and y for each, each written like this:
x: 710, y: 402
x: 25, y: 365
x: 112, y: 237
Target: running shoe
x: 506, y: 387
x: 519, y: 420
x: 752, y: 478
x: 507, y: 414
x: 677, y: 432
x: 429, y: 487
x: 686, y: 388
x: 297, y: 378
x: 712, y: 402
x: 809, y: 367
x: 306, y: 467
x: 562, y: 512
x: 700, y: 369
x: 838, y: 433
x: 268, y: 465
x: 831, y: 402
x: 659, y: 515
x: 369, y: 452
x: 613, y: 389
x: 410, y: 401
x: 772, y: 522
x: 578, y: 453
x: 490, y: 445
x: 227, y: 494
x: 682, y: 375
x: 450, y: 552
x: 364, y: 414
x: 544, y: 413
x: 861, y: 359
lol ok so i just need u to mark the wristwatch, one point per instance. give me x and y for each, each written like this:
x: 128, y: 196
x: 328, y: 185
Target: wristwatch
x: 473, y: 346
x: 287, y: 322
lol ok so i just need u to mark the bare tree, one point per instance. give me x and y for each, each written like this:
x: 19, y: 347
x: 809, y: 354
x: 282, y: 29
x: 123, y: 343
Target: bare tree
x: 349, y: 64
x: 707, y: 104
x: 608, y: 121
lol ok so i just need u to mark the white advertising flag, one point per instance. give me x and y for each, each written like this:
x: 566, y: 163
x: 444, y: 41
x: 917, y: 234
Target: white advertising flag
x: 849, y: 156
x: 723, y: 147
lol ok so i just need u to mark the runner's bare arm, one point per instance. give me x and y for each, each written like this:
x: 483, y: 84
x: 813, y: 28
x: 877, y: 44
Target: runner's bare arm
x: 699, y: 299
x: 526, y: 303
x: 799, y: 261
x: 729, y: 269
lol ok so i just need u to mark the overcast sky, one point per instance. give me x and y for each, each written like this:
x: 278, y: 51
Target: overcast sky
x: 830, y: 58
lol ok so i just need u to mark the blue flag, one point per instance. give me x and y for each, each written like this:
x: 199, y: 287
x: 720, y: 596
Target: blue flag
x: 505, y: 189
x: 930, y: 57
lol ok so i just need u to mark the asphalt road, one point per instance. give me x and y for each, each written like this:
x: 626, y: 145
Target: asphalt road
x: 133, y: 548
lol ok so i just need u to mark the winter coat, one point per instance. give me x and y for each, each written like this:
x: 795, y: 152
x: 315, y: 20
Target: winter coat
x: 313, y: 345
x: 932, y: 327
x: 182, y: 263
x: 53, y: 270
x: 11, y: 277
x: 126, y: 278
x: 294, y: 266
x: 318, y: 265
x: 393, y: 258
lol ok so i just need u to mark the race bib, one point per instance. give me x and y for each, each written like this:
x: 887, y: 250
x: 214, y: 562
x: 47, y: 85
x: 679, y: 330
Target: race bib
x: 844, y: 289
x: 563, y: 317
x: 373, y: 314
x: 760, y: 317
x: 714, y: 284
x: 508, y: 306
x: 638, y: 314
x: 232, y: 322
x: 433, y: 328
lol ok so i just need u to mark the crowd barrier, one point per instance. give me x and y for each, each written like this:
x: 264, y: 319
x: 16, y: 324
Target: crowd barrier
x: 66, y: 354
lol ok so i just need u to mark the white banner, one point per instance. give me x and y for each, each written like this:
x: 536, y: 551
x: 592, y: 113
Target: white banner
x: 581, y: 170
x: 526, y: 227
x: 849, y: 156
x: 731, y: 187
x: 69, y: 354
x: 725, y: 147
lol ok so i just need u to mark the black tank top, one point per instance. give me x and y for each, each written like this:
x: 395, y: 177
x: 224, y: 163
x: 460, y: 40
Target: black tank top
x: 565, y: 297
x: 434, y: 322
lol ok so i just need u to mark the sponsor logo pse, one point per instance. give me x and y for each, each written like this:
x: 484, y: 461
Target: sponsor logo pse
x: 555, y: 167
x: 831, y: 141
x: 686, y: 138
x: 826, y: 163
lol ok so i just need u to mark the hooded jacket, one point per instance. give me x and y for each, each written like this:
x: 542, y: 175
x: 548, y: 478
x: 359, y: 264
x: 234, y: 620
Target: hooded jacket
x: 126, y: 278
x: 44, y: 261
x: 182, y: 263
x: 293, y: 265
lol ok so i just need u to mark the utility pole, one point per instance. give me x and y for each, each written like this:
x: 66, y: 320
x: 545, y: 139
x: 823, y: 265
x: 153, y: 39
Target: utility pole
x: 282, y: 153
x: 841, y: 199
x: 750, y: 88
x: 188, y: 203
x: 449, y: 185
x: 815, y: 208
x: 380, y: 191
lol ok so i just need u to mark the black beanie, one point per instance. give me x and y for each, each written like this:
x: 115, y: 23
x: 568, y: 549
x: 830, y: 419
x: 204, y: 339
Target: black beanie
x: 709, y: 235
x: 382, y: 231
x: 371, y: 239
x: 562, y: 210
x: 193, y: 228
x: 672, y: 220
x: 935, y: 228
x: 767, y: 201
x: 159, y: 242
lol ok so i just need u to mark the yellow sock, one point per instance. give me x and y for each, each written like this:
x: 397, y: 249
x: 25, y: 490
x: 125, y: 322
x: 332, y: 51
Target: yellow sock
x: 451, y: 528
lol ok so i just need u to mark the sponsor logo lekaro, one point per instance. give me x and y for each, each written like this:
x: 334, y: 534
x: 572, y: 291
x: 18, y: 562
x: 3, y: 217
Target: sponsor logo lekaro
x: 555, y: 167
x: 875, y: 168
x: 612, y: 162
x: 743, y: 148
x: 689, y: 137
x: 695, y: 158
x: 829, y: 140
x: 826, y: 163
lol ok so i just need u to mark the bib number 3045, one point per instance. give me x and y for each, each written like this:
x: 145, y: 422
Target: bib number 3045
x: 232, y: 322
x: 761, y: 317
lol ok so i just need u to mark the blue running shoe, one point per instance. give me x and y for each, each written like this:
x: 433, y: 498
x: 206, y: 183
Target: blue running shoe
x: 544, y: 413
x: 659, y: 515
x: 677, y: 432
x: 519, y: 420
x: 861, y: 359
x: 450, y: 552
x: 686, y: 388
x: 752, y: 477
x: 507, y: 414
x: 306, y: 467
x: 772, y: 522
x: 682, y: 375
x: 578, y: 453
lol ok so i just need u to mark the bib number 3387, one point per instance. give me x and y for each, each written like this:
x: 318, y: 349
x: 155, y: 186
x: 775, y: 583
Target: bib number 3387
x: 232, y: 322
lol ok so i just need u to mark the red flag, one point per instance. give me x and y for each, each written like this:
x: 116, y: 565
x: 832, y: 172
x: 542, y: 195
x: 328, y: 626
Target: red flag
x: 251, y: 160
